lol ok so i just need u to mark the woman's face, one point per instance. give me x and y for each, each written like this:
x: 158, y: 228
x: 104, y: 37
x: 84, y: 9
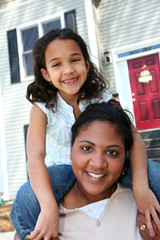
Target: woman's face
x: 98, y: 155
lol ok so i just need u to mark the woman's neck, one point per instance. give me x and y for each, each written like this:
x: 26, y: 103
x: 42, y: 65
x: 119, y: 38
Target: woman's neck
x: 76, y: 199
x: 87, y: 198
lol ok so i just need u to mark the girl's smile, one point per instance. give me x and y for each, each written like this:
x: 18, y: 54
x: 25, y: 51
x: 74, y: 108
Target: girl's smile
x: 65, y: 67
x: 70, y: 81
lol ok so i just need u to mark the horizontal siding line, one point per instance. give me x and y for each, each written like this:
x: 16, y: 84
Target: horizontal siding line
x: 132, y: 4
x: 120, y: 25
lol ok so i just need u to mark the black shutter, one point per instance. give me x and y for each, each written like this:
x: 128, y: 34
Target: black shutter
x: 70, y: 20
x: 13, y: 56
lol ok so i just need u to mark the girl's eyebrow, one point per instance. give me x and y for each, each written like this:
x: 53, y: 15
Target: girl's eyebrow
x: 109, y: 146
x: 72, y: 54
x: 54, y: 59
x: 75, y: 54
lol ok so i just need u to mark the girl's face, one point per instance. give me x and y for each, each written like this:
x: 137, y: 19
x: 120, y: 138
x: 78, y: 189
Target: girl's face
x: 97, y: 155
x: 65, y: 67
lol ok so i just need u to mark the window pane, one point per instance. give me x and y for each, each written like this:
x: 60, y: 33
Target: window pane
x: 28, y: 64
x: 145, y: 49
x: 29, y: 37
x: 56, y: 24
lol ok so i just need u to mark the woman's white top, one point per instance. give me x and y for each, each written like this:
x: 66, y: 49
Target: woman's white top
x: 117, y: 222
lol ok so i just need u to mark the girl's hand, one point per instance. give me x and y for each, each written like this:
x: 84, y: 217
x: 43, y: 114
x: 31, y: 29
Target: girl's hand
x: 141, y: 222
x: 149, y: 207
x: 47, y: 225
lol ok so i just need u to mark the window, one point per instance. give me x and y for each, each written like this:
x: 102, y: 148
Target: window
x: 51, y: 25
x: 140, y: 50
x: 21, y: 61
x: 29, y: 37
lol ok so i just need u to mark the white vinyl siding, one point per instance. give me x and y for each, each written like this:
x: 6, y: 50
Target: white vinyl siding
x: 16, y: 108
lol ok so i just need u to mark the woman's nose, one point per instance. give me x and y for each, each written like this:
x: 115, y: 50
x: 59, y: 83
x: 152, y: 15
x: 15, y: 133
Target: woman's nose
x: 99, y: 160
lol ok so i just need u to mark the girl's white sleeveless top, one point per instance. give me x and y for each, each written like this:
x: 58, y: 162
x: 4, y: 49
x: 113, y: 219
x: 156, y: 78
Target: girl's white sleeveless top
x: 58, y: 135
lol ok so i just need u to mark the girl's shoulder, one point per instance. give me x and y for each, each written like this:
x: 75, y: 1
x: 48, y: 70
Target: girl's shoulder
x: 42, y: 107
x: 105, y: 96
x: 48, y: 112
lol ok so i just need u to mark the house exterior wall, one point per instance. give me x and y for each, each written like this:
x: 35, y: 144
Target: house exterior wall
x: 105, y: 27
x: 124, y: 22
x: 8, y: 3
x: 16, y: 108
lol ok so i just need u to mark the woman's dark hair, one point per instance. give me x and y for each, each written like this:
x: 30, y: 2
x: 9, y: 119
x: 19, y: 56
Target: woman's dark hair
x: 104, y: 111
x: 42, y: 91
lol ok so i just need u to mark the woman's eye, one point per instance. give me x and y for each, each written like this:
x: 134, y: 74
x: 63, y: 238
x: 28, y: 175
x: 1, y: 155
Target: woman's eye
x: 86, y: 148
x: 112, y: 152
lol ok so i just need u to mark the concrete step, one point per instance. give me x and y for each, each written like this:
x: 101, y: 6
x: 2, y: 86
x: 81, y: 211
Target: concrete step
x: 152, y: 143
x: 150, y: 134
x: 153, y: 153
x: 151, y: 139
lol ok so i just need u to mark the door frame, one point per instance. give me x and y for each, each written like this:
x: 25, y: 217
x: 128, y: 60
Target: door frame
x: 121, y: 71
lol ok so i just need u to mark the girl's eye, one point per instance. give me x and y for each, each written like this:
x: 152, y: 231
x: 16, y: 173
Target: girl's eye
x: 56, y: 65
x: 86, y: 148
x: 112, y: 153
x: 75, y: 60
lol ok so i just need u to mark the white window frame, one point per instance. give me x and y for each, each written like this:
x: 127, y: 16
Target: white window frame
x: 28, y: 25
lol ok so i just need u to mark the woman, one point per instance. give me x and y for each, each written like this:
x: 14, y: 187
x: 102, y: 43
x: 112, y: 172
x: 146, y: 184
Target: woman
x: 97, y: 206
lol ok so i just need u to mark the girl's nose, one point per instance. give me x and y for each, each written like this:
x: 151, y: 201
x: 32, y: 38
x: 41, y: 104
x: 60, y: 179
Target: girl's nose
x: 99, y: 160
x: 68, y: 68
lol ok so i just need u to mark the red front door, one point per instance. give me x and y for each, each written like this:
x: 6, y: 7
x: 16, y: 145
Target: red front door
x: 145, y: 91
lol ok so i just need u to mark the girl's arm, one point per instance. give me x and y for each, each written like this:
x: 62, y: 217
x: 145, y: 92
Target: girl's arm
x: 144, y: 197
x: 47, y: 223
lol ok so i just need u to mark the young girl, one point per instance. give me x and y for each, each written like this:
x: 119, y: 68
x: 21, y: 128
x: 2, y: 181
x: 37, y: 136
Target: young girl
x: 66, y: 81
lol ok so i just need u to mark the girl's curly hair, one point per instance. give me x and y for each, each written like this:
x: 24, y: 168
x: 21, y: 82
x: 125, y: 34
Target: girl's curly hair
x: 42, y: 91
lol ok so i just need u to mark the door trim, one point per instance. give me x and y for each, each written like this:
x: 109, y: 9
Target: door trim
x: 121, y: 72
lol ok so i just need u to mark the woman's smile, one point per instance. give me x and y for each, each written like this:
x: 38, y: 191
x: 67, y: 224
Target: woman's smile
x: 96, y: 175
